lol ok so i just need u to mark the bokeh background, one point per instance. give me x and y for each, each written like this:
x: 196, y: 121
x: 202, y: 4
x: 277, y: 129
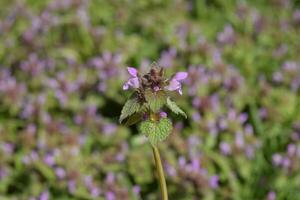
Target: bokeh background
x: 62, y: 66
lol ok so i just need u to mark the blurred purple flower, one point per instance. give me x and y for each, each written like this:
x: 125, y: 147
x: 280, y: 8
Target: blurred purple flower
x: 133, y: 81
x: 296, y: 16
x: 171, y: 171
x: 167, y: 58
x: 33, y: 65
x: 291, y: 149
x: 175, y: 82
x: 3, y: 173
x: 277, y: 159
x: 49, y: 159
x: 214, y: 182
x: 95, y: 191
x: 227, y: 36
x: 239, y: 140
x: 277, y: 77
x: 136, y: 189
x: 163, y: 114
x: 250, y: 151
x: 271, y: 196
x: 225, y: 148
x: 286, y: 162
x: 109, y: 128
x: 181, y: 161
x: 110, y: 196
x: 8, y: 148
x: 71, y: 186
x: 196, y: 117
x: 60, y: 173
x: 195, y: 165
x: 110, y: 178
x: 44, y: 196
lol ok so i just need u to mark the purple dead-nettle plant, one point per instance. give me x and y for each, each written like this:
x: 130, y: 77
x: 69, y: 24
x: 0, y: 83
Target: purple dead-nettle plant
x: 152, y: 92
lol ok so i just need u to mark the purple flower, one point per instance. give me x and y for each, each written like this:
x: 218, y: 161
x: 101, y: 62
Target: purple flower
x: 163, y: 114
x: 175, y: 83
x: 291, y: 149
x: 44, y: 195
x: 60, y: 173
x: 110, y: 195
x: 71, y: 186
x: 271, y: 195
x: 195, y: 164
x: 49, y: 159
x: 136, y: 189
x: 214, y: 182
x: 109, y: 129
x: 95, y: 191
x: 225, y: 148
x: 286, y: 162
x: 110, y: 178
x: 296, y: 16
x: 133, y: 81
x: 277, y: 159
x: 171, y: 171
x: 167, y: 57
x: 239, y: 140
x: 227, y: 36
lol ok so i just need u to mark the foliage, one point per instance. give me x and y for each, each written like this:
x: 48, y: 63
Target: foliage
x: 62, y: 66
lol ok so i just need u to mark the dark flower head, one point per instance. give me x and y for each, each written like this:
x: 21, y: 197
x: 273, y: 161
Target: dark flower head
x: 154, y: 80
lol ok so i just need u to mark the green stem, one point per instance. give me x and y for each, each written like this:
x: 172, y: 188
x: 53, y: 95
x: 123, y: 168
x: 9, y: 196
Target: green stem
x: 160, y: 173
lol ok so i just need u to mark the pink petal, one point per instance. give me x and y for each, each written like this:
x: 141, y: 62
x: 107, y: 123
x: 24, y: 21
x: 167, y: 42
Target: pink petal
x: 180, y: 91
x: 134, y: 82
x: 125, y: 86
x: 173, y: 85
x: 132, y: 71
x: 163, y: 114
x: 180, y: 75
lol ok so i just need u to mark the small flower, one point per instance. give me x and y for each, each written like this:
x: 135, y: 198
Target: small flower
x: 225, y: 148
x: 133, y: 81
x: 163, y: 114
x: 214, y: 181
x: 175, y: 83
x: 271, y: 195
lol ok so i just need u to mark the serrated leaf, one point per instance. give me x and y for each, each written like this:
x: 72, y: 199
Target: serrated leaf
x: 146, y: 127
x: 156, y: 131
x: 131, y: 106
x: 174, y: 108
x: 155, y: 100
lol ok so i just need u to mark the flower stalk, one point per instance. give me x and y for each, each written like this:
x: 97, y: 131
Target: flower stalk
x: 160, y: 173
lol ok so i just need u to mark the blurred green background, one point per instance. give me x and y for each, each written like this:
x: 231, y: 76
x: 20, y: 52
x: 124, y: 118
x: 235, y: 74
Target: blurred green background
x: 62, y: 67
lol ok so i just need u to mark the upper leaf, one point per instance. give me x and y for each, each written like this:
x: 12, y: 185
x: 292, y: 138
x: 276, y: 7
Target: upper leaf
x: 131, y: 106
x: 174, y: 108
x: 156, y: 131
x: 155, y: 100
x: 133, y: 119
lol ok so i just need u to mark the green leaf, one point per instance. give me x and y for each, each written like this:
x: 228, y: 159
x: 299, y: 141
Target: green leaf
x: 156, y: 131
x: 174, y: 108
x: 147, y: 127
x: 155, y: 100
x: 133, y: 119
x: 131, y: 106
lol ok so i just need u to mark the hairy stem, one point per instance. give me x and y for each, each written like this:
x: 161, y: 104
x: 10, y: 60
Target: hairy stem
x: 160, y: 173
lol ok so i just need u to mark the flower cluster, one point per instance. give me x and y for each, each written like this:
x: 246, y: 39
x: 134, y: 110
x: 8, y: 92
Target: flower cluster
x: 154, y: 80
